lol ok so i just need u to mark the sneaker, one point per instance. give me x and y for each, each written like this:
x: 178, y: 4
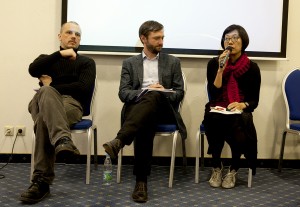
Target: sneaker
x: 35, y: 193
x: 113, y: 147
x: 216, y: 177
x: 65, y: 148
x: 140, y: 193
x: 229, y: 179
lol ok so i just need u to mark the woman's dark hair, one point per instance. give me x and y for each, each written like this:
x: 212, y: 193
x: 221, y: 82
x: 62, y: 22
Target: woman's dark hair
x: 149, y: 26
x: 242, y: 33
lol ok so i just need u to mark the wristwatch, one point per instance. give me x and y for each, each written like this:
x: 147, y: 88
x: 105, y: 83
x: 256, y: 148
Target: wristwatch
x: 247, y: 104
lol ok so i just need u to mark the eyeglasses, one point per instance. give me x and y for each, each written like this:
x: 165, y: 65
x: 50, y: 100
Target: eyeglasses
x: 233, y: 39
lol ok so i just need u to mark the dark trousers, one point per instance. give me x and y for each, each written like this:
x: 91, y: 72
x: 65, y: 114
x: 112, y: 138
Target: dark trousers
x: 220, y: 128
x: 53, y: 114
x: 139, y: 125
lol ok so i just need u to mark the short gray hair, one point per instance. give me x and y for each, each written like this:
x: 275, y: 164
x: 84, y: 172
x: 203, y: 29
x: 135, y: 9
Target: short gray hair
x: 69, y: 22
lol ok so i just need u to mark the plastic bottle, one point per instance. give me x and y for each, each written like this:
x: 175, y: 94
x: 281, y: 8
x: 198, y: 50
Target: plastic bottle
x: 107, y: 171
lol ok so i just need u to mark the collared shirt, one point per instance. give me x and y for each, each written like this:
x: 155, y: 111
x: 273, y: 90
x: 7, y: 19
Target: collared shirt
x: 150, y: 70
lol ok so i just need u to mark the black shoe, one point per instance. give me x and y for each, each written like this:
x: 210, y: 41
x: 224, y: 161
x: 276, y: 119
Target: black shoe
x: 36, y: 192
x: 65, y: 148
x: 113, y: 147
x: 140, y: 193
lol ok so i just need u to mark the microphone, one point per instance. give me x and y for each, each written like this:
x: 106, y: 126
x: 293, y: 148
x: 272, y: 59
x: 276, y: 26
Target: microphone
x: 229, y: 48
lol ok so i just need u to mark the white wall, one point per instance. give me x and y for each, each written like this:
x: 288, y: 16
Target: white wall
x: 29, y: 28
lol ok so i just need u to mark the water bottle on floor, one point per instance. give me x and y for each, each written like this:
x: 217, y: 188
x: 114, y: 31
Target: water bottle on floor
x: 107, y: 171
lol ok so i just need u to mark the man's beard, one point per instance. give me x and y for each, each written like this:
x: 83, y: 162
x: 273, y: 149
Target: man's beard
x: 154, y: 50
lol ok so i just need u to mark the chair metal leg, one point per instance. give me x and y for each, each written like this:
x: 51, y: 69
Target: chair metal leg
x: 202, y: 150
x: 91, y: 135
x: 250, y: 178
x: 172, y: 165
x: 119, y: 169
x: 32, y: 157
x: 88, y: 157
x: 95, y: 149
x: 173, y: 159
x: 197, y: 157
x: 281, y: 151
x: 199, y: 135
x: 184, y: 160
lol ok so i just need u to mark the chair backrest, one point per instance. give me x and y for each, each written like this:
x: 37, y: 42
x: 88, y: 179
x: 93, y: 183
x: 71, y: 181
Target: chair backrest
x: 88, y: 106
x: 291, y: 95
x: 184, y: 89
x: 207, y: 90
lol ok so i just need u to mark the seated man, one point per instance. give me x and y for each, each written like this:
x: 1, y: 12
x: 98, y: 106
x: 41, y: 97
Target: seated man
x: 140, y: 116
x: 67, y: 81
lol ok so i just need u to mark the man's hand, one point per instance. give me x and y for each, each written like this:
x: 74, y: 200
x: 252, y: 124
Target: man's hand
x: 157, y: 86
x: 68, y: 53
x: 46, y: 80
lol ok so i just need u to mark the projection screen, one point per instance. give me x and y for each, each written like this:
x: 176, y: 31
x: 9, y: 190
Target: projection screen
x: 192, y: 27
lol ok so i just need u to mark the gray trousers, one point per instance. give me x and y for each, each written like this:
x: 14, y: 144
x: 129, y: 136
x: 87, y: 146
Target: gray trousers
x: 53, y: 114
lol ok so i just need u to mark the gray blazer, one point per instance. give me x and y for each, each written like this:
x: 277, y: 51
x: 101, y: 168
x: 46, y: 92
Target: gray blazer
x: 169, y: 74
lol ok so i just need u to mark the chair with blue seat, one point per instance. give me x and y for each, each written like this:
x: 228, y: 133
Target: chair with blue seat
x: 200, y: 147
x: 200, y: 137
x: 86, y: 125
x: 200, y: 134
x: 291, y: 94
x: 164, y: 130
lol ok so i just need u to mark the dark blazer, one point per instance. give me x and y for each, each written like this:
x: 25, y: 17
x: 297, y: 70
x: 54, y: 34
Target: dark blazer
x: 169, y: 74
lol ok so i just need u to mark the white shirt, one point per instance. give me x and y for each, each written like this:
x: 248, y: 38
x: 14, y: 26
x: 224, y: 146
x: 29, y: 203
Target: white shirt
x: 150, y: 70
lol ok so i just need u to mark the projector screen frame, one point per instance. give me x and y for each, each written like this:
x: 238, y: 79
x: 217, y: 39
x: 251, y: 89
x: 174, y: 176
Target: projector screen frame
x: 202, y: 53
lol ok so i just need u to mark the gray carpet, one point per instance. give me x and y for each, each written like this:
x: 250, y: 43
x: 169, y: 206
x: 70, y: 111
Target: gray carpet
x: 270, y: 188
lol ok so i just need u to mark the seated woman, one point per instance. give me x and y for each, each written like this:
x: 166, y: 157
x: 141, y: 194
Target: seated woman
x: 234, y: 84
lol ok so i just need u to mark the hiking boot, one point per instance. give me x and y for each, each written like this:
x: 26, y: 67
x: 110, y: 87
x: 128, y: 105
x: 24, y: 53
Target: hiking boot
x: 216, y: 177
x: 113, y: 147
x: 65, y: 148
x: 140, y: 194
x: 35, y: 193
x: 229, y: 179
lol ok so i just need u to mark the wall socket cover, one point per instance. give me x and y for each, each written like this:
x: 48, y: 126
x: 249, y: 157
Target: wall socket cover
x: 8, y: 131
x: 23, y: 128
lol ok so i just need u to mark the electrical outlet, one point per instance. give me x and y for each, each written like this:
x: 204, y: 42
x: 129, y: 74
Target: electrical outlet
x: 22, y: 128
x: 8, y: 131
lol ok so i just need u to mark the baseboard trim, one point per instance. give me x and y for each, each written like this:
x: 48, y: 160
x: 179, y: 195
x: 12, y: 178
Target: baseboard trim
x: 161, y: 161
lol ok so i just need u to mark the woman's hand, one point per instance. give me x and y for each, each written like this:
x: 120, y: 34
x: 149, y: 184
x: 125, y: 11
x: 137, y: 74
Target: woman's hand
x: 236, y: 106
x: 221, y: 58
x: 218, y: 78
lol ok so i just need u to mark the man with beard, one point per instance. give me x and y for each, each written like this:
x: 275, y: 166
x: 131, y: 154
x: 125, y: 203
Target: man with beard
x: 140, y: 115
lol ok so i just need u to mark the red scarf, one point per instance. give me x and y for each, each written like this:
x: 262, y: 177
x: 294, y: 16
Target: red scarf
x: 231, y: 92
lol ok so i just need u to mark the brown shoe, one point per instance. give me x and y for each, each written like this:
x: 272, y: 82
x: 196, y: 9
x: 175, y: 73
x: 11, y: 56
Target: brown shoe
x: 113, y: 147
x: 35, y: 193
x: 65, y: 148
x: 140, y: 194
